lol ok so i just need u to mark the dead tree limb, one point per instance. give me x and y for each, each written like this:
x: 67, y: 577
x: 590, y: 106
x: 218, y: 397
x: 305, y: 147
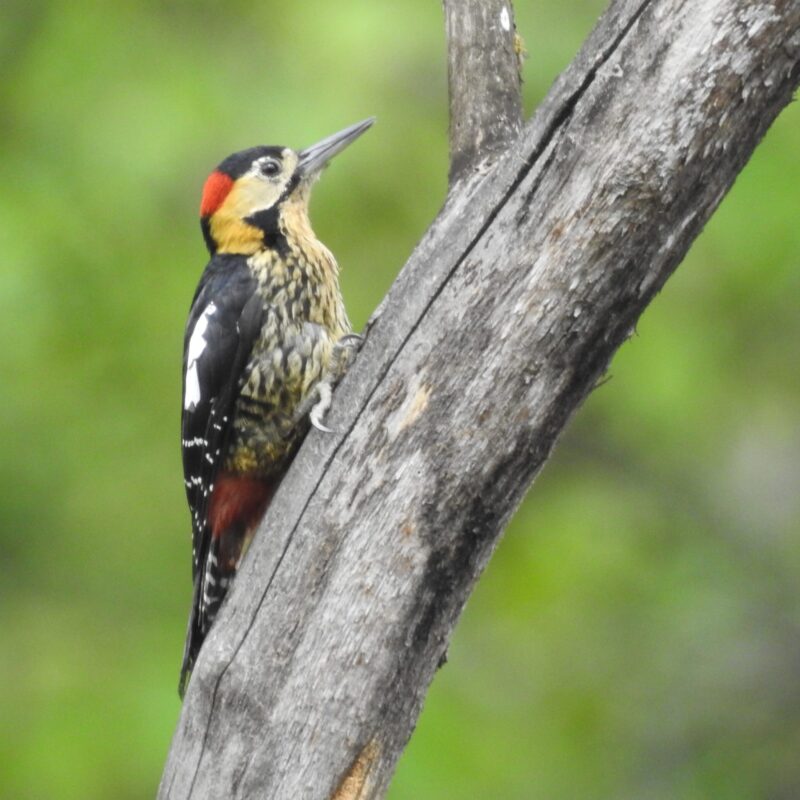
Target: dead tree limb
x: 483, y: 75
x: 502, y: 321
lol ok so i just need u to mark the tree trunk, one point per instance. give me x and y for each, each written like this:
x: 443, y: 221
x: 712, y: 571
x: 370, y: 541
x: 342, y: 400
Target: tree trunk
x: 549, y: 247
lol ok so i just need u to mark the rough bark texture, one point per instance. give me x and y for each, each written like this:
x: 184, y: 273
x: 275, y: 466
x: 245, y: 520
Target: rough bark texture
x: 484, y: 81
x: 501, y: 323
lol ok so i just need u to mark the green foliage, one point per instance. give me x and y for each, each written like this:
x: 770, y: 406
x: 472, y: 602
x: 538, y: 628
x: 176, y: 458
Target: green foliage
x: 636, y: 634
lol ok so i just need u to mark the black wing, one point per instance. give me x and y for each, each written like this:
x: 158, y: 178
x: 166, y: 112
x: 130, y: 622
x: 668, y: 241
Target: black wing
x: 224, y: 321
x: 211, y: 374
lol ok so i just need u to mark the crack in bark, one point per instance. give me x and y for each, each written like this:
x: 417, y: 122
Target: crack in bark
x: 559, y: 120
x: 501, y: 186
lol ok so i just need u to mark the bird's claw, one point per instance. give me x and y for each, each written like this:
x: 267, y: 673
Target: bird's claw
x: 356, y: 338
x: 320, y: 427
x: 343, y: 354
x: 320, y: 408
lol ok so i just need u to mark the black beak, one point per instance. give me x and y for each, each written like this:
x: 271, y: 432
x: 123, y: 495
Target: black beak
x: 314, y: 158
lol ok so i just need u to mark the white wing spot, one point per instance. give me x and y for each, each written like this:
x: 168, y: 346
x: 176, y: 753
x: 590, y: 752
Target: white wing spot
x: 197, y: 344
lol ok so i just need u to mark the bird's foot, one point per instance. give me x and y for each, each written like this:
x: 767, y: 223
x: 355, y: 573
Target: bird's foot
x: 343, y: 355
x: 351, y: 340
x: 318, y: 402
x: 320, y: 408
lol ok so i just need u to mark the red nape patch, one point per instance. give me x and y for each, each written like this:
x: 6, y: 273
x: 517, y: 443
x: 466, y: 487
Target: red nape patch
x: 215, y: 191
x: 238, y: 500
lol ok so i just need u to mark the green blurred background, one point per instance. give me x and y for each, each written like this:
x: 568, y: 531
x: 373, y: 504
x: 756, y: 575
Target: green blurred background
x: 636, y: 634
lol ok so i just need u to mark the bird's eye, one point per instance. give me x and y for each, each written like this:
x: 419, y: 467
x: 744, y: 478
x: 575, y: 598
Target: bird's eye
x: 270, y: 167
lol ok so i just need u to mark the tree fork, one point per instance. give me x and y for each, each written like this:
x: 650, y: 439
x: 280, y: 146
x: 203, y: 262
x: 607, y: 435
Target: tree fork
x: 549, y: 247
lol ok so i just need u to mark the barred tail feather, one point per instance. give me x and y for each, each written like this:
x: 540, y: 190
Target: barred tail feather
x: 210, y: 588
x: 237, y: 506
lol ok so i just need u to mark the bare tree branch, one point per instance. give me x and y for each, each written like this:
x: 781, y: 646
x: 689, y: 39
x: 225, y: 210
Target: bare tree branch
x: 504, y: 318
x: 484, y: 81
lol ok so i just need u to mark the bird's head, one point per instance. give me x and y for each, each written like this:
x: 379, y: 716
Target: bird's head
x: 253, y: 195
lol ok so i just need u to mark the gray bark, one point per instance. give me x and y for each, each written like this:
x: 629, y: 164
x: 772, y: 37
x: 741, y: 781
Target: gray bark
x: 503, y: 320
x: 483, y: 71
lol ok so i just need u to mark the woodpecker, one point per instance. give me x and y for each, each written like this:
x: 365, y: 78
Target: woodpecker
x: 266, y: 339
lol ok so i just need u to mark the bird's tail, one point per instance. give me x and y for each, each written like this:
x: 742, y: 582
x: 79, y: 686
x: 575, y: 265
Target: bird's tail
x: 237, y: 506
x: 194, y: 638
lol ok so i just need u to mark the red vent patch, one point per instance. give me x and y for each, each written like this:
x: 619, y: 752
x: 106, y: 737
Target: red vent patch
x: 237, y: 500
x: 215, y: 191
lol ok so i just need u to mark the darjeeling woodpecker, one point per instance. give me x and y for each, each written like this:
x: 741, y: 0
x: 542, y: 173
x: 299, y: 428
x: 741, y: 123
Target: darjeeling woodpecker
x: 267, y: 337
